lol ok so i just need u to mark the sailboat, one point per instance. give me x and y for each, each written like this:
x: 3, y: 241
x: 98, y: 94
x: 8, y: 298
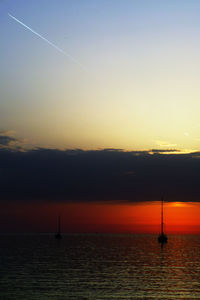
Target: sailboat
x: 58, y: 235
x: 162, y: 237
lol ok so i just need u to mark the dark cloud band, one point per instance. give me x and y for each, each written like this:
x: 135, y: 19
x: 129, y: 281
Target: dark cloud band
x: 103, y: 175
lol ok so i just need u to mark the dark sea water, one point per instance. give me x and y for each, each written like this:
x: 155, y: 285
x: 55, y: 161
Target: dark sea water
x: 99, y: 267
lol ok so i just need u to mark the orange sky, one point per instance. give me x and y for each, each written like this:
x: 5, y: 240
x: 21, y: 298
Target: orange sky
x: 179, y: 217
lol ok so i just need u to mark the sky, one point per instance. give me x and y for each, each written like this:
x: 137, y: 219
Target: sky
x: 99, y: 102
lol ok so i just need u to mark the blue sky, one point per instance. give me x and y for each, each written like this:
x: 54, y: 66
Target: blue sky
x: 140, y: 85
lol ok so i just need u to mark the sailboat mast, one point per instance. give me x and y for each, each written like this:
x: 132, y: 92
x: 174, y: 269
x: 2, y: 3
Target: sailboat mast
x: 162, y: 237
x: 58, y: 235
x: 162, y: 216
x: 59, y: 224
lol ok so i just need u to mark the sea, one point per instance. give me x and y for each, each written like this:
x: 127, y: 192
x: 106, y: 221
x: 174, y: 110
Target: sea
x: 99, y: 266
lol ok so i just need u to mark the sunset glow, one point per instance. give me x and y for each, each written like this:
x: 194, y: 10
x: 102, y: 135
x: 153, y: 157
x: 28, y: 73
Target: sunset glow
x: 102, y: 217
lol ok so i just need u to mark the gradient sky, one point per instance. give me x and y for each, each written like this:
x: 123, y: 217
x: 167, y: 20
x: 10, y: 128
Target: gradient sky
x: 140, y: 85
x: 180, y: 217
x: 131, y: 83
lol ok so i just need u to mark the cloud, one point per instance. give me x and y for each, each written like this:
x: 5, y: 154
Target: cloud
x: 6, y: 140
x: 7, y: 132
x: 101, y: 175
x: 164, y: 151
x: 165, y: 144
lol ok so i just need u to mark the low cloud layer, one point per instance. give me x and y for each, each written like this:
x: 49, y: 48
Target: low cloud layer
x: 7, y: 139
x: 10, y: 142
x: 104, y: 175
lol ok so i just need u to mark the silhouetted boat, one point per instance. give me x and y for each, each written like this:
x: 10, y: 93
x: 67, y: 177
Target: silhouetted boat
x: 162, y: 237
x: 58, y: 235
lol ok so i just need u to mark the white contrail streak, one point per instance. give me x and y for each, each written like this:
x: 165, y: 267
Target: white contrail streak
x: 44, y: 39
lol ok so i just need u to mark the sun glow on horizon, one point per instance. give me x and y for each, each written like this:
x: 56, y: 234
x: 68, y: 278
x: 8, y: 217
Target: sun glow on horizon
x: 179, y: 204
x: 145, y: 217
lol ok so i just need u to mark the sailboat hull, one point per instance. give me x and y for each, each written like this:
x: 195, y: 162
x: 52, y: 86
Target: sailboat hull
x: 162, y: 239
x: 58, y: 236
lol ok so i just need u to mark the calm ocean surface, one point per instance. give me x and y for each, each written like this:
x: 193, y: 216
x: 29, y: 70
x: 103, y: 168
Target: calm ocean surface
x: 99, y: 267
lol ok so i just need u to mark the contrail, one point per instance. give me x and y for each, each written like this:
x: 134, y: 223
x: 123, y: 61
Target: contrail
x: 44, y: 39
